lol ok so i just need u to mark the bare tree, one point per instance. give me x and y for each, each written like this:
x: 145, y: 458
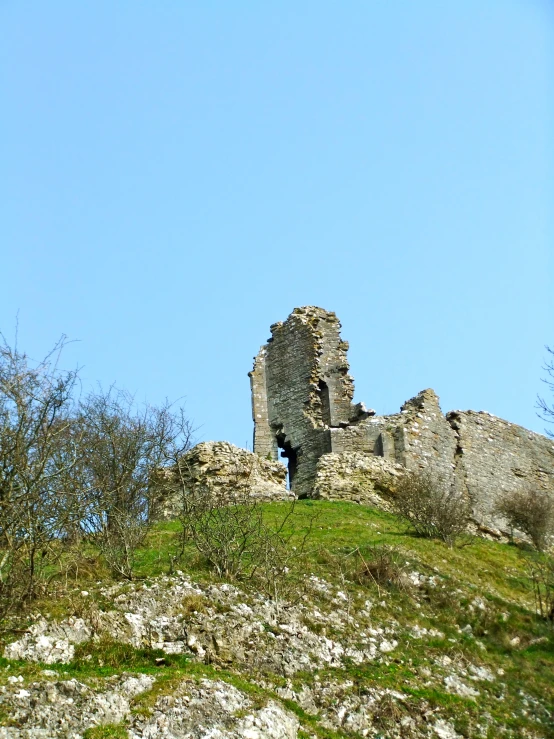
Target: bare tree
x: 540, y: 568
x: 546, y: 410
x: 35, y: 458
x: 121, y: 446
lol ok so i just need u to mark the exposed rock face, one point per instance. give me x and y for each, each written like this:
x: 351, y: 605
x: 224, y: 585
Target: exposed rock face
x: 270, y: 644
x: 214, y: 709
x: 222, y: 468
x: 66, y: 708
x: 50, y: 643
x: 195, y: 710
x: 302, y: 404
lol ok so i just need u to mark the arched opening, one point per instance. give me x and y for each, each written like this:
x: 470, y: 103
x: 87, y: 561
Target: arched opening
x: 288, y: 453
x: 325, y: 402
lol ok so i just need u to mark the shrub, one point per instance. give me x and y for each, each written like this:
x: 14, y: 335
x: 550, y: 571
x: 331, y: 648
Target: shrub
x: 121, y: 448
x: 541, y: 574
x: 35, y: 457
x: 531, y: 512
x: 73, y: 472
x: 431, y: 507
x: 228, y: 528
x: 381, y: 565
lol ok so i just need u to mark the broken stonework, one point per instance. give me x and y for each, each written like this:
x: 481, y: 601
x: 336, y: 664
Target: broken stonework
x: 356, y: 476
x: 494, y: 456
x: 302, y: 404
x: 224, y: 469
x: 300, y: 390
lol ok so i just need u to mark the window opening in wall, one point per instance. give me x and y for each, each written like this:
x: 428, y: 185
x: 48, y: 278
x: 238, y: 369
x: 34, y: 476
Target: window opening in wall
x: 288, y: 453
x: 325, y: 402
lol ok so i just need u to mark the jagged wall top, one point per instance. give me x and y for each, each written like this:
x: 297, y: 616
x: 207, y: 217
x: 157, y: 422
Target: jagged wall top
x: 302, y: 396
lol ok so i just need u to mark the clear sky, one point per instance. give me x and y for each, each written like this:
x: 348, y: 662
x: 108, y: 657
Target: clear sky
x: 177, y: 176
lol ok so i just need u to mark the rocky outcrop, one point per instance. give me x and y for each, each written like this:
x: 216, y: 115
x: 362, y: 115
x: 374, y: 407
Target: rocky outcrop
x: 54, y: 708
x: 213, y: 708
x: 224, y: 470
x: 270, y: 646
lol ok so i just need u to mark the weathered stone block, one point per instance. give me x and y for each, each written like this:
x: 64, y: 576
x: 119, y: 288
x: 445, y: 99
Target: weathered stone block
x: 357, y: 477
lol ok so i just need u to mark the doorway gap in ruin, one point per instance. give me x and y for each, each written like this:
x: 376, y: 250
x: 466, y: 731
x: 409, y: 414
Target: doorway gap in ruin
x: 288, y: 453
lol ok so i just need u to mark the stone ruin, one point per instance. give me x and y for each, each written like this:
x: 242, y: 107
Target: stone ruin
x: 223, y: 470
x: 302, y: 405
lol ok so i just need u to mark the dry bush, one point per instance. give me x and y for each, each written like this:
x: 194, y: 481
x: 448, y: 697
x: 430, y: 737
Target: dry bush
x: 123, y: 445
x: 73, y: 472
x: 540, y: 569
x: 228, y: 528
x: 382, y: 565
x: 546, y: 409
x: 388, y: 712
x: 431, y: 507
x: 530, y: 511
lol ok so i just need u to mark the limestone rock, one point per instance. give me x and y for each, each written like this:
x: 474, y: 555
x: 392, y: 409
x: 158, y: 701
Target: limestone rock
x: 356, y: 476
x: 66, y: 708
x: 50, y: 643
x: 224, y: 469
x: 213, y: 709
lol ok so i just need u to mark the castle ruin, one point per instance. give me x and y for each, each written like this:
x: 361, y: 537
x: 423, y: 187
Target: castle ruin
x: 302, y: 405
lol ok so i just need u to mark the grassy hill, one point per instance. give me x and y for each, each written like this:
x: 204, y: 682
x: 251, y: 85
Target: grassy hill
x: 428, y: 640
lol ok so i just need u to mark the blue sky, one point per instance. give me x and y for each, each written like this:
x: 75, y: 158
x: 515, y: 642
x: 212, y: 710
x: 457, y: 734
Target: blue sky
x: 176, y: 176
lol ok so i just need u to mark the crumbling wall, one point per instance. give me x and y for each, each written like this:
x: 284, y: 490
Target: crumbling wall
x: 223, y: 469
x: 302, y: 403
x: 423, y: 437
x: 493, y: 457
x: 307, y: 391
x: 419, y: 437
x: 265, y: 441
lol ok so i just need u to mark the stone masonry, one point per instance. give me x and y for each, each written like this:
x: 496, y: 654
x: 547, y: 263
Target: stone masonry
x: 301, y: 390
x: 302, y: 405
x: 224, y: 471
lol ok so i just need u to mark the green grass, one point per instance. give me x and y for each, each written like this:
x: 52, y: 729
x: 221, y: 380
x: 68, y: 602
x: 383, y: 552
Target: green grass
x: 107, y: 731
x: 507, y: 636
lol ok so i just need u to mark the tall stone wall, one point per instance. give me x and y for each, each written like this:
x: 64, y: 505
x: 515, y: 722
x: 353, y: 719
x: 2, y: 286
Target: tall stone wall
x: 495, y: 457
x: 300, y: 389
x: 265, y: 442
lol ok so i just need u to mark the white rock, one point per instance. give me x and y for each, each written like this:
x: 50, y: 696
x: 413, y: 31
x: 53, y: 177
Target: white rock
x: 388, y: 646
x: 444, y: 730
x: 455, y: 685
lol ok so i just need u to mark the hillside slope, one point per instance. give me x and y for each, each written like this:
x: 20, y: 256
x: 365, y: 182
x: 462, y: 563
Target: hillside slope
x: 380, y: 634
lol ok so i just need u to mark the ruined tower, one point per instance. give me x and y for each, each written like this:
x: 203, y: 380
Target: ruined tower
x: 302, y: 406
x: 301, y: 390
